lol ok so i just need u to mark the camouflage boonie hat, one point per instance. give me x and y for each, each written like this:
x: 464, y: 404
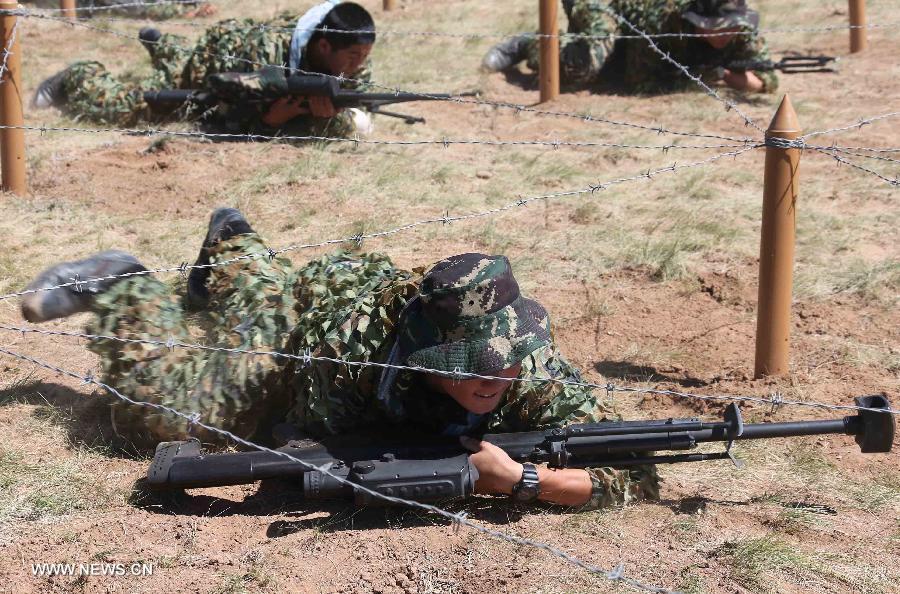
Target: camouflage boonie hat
x: 470, y: 317
x: 721, y: 14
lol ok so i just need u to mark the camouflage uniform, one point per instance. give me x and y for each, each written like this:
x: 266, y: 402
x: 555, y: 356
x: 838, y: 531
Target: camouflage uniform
x: 96, y: 95
x: 642, y: 69
x: 347, y: 307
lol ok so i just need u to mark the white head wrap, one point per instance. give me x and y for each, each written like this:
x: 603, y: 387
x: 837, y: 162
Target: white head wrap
x: 306, y: 26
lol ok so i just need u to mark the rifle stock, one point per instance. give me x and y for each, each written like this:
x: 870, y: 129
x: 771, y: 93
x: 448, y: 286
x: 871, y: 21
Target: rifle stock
x: 440, y: 468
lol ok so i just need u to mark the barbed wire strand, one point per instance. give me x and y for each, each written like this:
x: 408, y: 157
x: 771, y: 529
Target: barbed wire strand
x: 497, y: 104
x: 78, y: 9
x: 855, y: 126
x: 518, y: 108
x: 445, y: 142
x: 895, y: 182
x: 7, y: 51
x: 471, y: 36
x: 307, y: 358
x: 853, y: 153
x: 615, y: 575
x: 729, y: 105
x: 357, y: 239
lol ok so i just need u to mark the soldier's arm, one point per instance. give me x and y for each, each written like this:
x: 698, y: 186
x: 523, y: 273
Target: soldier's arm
x: 753, y: 48
x: 545, y: 405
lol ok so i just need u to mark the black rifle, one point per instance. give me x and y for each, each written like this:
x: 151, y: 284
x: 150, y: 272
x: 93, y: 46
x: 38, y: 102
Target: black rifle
x: 309, y: 86
x: 787, y: 64
x: 440, y: 469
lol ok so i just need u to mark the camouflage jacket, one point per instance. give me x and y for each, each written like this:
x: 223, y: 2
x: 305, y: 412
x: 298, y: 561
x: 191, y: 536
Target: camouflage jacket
x: 351, y: 307
x: 643, y: 70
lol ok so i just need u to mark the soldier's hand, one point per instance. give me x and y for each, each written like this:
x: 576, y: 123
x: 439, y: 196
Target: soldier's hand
x: 743, y: 81
x: 283, y: 110
x: 322, y: 107
x: 497, y: 472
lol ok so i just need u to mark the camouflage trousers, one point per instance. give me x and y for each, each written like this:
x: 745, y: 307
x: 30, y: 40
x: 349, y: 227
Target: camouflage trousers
x: 580, y: 59
x: 252, y: 307
x: 258, y: 303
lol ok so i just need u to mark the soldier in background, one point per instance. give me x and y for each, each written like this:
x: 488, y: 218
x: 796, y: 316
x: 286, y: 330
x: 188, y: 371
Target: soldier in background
x: 463, y: 314
x: 593, y: 47
x: 227, y: 57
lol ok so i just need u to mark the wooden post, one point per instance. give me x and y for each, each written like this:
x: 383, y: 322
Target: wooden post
x: 776, y: 248
x: 549, y: 57
x: 858, y: 38
x: 389, y: 4
x: 68, y: 8
x: 12, y: 141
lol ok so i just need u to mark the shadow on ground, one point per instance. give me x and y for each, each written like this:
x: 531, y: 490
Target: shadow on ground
x: 625, y: 370
x: 285, y: 498
x: 84, y: 417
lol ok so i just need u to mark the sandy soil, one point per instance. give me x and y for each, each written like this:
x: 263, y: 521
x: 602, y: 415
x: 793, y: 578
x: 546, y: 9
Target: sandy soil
x: 805, y: 515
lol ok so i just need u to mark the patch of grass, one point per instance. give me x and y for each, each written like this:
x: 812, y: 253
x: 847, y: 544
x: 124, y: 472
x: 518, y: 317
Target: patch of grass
x: 585, y: 213
x: 750, y: 560
x: 795, y: 519
x: 17, y: 391
x: 805, y: 460
x: 690, y: 583
x: 664, y: 249
x: 33, y: 490
x: 878, y: 282
x: 879, y: 495
x: 865, y: 355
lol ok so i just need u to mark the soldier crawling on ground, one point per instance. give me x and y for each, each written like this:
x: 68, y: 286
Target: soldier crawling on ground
x: 463, y: 314
x: 226, y: 59
x: 593, y: 54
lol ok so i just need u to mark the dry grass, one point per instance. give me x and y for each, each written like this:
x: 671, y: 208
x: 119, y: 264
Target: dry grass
x: 579, y: 255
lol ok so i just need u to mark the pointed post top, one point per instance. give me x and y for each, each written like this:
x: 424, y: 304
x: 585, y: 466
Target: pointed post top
x: 784, y: 123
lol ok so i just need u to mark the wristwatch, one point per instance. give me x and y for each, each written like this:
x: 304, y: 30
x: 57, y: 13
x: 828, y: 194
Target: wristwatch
x: 529, y: 487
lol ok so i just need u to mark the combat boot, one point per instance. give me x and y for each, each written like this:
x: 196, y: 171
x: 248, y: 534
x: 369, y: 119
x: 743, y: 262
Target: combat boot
x: 224, y: 223
x: 60, y: 302
x: 149, y: 37
x: 506, y: 54
x: 51, y: 92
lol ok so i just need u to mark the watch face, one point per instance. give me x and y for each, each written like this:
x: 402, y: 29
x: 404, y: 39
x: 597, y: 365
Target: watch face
x: 527, y: 493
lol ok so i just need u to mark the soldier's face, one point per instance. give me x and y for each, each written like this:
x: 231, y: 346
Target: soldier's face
x: 476, y: 395
x: 345, y: 61
x: 723, y: 37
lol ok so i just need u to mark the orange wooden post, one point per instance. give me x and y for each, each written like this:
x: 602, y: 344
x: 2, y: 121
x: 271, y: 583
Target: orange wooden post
x: 549, y: 56
x: 12, y: 141
x: 858, y: 38
x: 776, y: 248
x: 389, y: 4
x: 68, y: 8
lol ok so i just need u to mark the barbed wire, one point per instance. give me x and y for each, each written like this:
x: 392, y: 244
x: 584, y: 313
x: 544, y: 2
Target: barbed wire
x: 308, y: 358
x: 892, y: 181
x: 868, y: 149
x: 857, y: 125
x: 729, y: 105
x: 518, y: 108
x: 854, y: 153
x: 7, y: 51
x: 122, y: 5
x: 616, y: 574
x: 445, y: 142
x: 471, y: 36
x: 357, y: 239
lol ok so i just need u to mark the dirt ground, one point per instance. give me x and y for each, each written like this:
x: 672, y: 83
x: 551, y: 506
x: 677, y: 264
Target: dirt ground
x: 651, y: 283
